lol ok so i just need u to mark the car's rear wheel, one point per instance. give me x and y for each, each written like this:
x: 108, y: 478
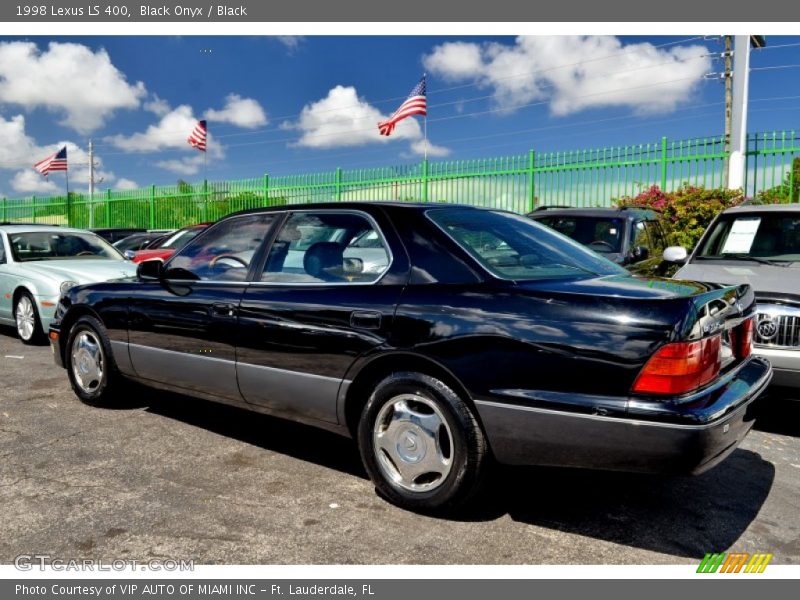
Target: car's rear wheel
x: 90, y: 364
x: 421, y: 443
x: 29, y: 326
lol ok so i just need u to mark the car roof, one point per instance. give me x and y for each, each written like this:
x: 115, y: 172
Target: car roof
x: 758, y: 208
x: 622, y: 213
x: 365, y: 205
x: 31, y: 228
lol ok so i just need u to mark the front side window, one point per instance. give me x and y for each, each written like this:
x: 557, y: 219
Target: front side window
x: 225, y: 252
x: 327, y: 247
x: 773, y: 236
x: 602, y: 234
x: 50, y: 245
x: 516, y: 248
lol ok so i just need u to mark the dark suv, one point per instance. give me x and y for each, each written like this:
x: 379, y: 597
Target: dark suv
x: 631, y: 237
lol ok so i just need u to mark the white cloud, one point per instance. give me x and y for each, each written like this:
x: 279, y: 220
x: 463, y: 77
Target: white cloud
x: 68, y: 78
x: 292, y: 42
x: 157, y: 106
x: 21, y: 151
x: 434, y: 151
x: 126, y: 184
x: 171, y: 132
x: 343, y: 119
x: 640, y: 76
x: 242, y: 112
x: 186, y: 165
x: 31, y: 182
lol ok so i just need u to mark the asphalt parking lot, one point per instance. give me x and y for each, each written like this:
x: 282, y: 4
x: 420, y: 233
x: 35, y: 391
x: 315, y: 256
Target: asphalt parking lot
x: 175, y: 477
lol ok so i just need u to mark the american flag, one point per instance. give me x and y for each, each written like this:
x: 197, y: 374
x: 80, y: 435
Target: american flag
x: 415, y: 104
x: 197, y: 139
x: 54, y: 162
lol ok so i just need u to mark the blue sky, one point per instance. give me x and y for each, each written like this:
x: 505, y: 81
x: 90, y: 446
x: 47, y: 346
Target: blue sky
x: 293, y: 105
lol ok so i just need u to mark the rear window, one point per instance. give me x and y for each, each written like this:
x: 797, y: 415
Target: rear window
x: 516, y: 248
x: 602, y: 234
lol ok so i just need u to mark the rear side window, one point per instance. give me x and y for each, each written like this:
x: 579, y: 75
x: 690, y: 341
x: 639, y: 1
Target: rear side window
x: 327, y: 247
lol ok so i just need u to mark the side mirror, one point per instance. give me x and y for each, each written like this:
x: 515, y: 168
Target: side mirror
x: 129, y: 254
x: 150, y: 270
x: 676, y: 254
x: 641, y: 253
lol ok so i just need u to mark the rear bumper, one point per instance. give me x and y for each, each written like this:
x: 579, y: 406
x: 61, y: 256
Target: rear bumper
x: 687, y: 435
x: 785, y: 365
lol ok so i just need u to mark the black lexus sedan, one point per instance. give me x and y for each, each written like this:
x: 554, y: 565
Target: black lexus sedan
x: 440, y: 337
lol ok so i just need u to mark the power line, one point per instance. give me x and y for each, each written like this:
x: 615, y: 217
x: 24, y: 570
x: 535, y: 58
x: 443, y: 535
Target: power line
x: 775, y: 67
x: 447, y: 118
x: 469, y: 85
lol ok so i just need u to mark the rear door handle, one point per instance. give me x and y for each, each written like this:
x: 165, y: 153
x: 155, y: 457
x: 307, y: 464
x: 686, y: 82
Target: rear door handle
x: 223, y: 309
x: 365, y: 319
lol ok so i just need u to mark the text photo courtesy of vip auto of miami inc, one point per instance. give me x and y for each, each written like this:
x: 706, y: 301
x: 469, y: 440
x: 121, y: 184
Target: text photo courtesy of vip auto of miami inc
x: 419, y: 300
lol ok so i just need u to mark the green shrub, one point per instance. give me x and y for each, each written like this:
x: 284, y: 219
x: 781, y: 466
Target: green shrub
x: 686, y: 212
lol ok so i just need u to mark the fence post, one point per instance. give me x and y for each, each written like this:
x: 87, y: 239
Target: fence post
x: 664, y: 164
x: 531, y: 188
x: 33, y: 208
x: 205, y: 200
x: 108, y: 208
x: 5, y: 210
x: 425, y: 180
x: 338, y: 184
x: 152, y: 207
x: 266, y: 189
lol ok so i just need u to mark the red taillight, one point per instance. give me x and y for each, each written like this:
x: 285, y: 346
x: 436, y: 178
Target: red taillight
x: 742, y: 339
x: 680, y: 367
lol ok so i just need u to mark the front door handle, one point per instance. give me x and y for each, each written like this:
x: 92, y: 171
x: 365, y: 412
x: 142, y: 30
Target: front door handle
x: 365, y: 319
x: 223, y: 309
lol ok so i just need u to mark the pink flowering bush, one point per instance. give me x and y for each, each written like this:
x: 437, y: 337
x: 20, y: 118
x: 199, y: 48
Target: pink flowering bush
x: 686, y: 212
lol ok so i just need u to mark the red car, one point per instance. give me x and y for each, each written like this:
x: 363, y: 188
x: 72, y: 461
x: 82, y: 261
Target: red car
x: 165, y: 247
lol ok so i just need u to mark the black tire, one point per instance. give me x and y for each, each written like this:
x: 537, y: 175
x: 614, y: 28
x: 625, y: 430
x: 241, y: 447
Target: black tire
x: 36, y: 336
x: 108, y: 390
x: 468, y: 450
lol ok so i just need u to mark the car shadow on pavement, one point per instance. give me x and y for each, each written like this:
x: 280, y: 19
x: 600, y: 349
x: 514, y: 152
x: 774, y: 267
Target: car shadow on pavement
x: 270, y: 433
x: 779, y: 412
x: 681, y: 516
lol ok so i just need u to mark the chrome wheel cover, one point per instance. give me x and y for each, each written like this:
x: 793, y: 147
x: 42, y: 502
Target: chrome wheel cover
x: 26, y: 318
x: 413, y: 444
x: 88, y: 362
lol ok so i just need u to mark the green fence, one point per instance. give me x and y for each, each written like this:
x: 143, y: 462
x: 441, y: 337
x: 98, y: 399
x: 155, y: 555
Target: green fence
x: 518, y: 183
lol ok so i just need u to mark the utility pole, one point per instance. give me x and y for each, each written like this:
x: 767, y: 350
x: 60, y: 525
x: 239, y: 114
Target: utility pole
x: 738, y: 143
x: 91, y: 184
x: 728, y: 81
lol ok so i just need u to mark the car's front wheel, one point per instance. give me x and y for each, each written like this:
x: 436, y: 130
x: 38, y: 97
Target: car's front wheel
x: 421, y: 443
x: 29, y: 327
x: 90, y: 364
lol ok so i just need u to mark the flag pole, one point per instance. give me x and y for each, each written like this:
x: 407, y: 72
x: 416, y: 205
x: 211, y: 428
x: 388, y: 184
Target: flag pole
x: 425, y: 133
x: 425, y: 117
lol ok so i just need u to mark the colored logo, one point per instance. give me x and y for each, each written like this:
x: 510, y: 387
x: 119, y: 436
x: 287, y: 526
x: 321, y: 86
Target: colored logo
x: 734, y: 562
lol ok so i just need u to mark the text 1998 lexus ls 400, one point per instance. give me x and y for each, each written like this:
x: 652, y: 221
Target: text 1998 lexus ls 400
x: 440, y: 337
